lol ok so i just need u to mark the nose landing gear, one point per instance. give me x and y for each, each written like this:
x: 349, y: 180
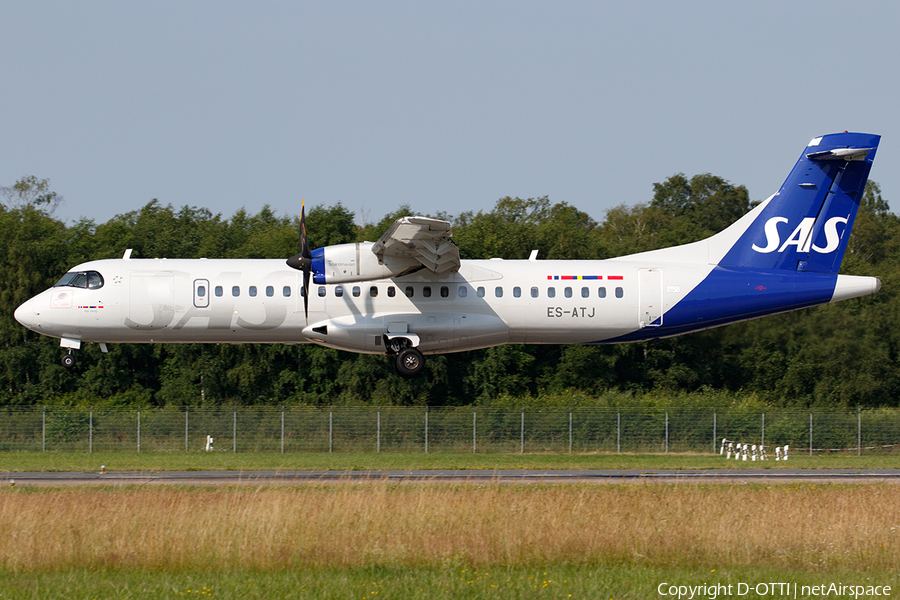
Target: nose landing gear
x: 68, y: 359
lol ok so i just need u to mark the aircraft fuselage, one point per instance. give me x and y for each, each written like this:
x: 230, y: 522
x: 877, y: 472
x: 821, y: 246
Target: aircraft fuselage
x: 485, y: 303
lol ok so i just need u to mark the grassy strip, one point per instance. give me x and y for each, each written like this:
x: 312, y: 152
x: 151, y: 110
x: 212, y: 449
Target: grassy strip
x: 620, y: 582
x: 351, y: 526
x: 444, y: 541
x: 208, y: 461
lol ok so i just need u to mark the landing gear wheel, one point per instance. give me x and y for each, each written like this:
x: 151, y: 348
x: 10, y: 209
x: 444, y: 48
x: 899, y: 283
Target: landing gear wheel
x: 68, y: 361
x: 409, y: 363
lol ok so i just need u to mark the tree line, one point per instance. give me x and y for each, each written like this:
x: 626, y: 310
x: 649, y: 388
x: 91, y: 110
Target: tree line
x: 839, y: 355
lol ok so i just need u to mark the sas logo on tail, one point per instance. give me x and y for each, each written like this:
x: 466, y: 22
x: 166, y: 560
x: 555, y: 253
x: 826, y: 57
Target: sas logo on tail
x: 801, y: 238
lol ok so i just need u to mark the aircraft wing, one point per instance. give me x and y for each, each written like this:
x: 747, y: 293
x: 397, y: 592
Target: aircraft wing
x: 426, y: 240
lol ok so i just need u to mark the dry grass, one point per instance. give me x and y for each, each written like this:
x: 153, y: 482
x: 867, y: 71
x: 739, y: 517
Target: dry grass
x: 820, y: 527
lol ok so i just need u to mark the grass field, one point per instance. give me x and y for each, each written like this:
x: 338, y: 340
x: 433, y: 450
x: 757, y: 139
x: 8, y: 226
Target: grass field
x: 378, y: 540
x: 599, y: 582
x: 204, y: 461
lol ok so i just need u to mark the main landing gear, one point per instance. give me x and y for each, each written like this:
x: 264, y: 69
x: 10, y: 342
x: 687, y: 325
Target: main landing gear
x: 408, y: 360
x: 68, y: 360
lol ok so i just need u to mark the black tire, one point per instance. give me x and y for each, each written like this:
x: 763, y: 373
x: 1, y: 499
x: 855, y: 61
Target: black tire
x: 68, y: 361
x: 409, y: 363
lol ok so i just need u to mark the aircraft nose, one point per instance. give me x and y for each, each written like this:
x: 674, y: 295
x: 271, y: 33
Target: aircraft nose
x: 25, y: 314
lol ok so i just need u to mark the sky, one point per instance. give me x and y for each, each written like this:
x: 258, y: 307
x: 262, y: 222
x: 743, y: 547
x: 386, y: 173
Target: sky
x: 442, y: 106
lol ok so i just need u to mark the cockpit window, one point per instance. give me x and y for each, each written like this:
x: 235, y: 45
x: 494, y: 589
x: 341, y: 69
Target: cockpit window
x: 91, y: 280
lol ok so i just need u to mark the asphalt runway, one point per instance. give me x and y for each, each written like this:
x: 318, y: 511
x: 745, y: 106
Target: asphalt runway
x: 475, y: 477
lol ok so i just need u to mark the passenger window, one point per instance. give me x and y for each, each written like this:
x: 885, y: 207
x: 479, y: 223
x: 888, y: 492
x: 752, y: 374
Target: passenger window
x: 219, y: 291
x: 498, y: 291
x: 252, y: 291
x: 339, y: 291
x: 392, y: 291
x: 235, y: 290
x: 356, y: 291
x: 568, y: 291
x: 373, y: 291
x: 601, y: 292
x: 517, y: 292
x: 585, y: 293
x: 270, y: 291
x: 410, y: 292
x: 481, y: 292
x: 321, y: 291
x: 551, y: 292
x: 286, y: 291
x: 463, y: 291
x: 445, y: 291
x: 201, y: 291
x: 619, y: 292
x: 534, y: 292
x: 426, y: 291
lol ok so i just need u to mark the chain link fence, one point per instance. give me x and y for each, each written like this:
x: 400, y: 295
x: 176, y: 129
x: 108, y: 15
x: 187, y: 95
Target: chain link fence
x: 419, y: 429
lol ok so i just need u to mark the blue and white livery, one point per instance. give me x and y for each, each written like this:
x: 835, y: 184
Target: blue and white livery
x: 409, y: 294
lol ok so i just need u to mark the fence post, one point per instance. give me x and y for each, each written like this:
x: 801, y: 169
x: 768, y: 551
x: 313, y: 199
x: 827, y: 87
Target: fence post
x: 522, y: 433
x: 44, y: 431
x: 858, y: 431
x: 714, y: 431
x: 474, y: 422
x: 378, y: 432
x: 618, y: 431
x: 186, y: 409
x: 763, y: 437
x: 810, y: 433
x: 139, y: 430
x: 426, y: 430
x: 667, y: 431
x: 331, y: 430
x: 570, y: 432
x: 282, y: 429
x: 91, y: 431
x: 234, y: 433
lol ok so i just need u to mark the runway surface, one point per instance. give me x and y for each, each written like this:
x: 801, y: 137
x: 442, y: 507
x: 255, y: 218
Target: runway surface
x: 477, y: 477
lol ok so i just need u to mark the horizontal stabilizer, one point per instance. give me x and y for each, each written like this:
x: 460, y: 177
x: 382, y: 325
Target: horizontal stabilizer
x: 847, y: 154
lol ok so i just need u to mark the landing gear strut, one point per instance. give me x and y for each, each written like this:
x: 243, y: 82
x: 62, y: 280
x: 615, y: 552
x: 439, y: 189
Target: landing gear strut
x: 68, y: 360
x: 408, y: 361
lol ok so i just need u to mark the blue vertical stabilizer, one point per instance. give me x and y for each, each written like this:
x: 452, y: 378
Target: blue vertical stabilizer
x: 806, y: 225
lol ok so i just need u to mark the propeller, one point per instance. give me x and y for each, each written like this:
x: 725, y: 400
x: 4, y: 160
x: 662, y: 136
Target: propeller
x: 303, y: 260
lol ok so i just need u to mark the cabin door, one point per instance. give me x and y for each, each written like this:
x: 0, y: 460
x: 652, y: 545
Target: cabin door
x: 650, y: 311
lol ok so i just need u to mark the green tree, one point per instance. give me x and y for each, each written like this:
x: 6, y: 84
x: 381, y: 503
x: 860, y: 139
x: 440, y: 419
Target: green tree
x: 30, y: 192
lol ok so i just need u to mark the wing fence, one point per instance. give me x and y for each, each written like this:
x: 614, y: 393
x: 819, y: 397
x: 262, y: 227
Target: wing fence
x: 444, y: 429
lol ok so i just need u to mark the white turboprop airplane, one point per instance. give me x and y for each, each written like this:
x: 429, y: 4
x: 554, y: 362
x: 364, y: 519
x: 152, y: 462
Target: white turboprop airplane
x: 409, y: 294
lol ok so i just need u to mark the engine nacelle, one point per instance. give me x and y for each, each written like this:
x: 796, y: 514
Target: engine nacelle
x: 346, y: 263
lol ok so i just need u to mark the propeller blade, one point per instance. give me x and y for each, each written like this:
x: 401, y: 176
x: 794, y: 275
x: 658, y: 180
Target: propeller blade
x: 306, y: 294
x: 303, y: 260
